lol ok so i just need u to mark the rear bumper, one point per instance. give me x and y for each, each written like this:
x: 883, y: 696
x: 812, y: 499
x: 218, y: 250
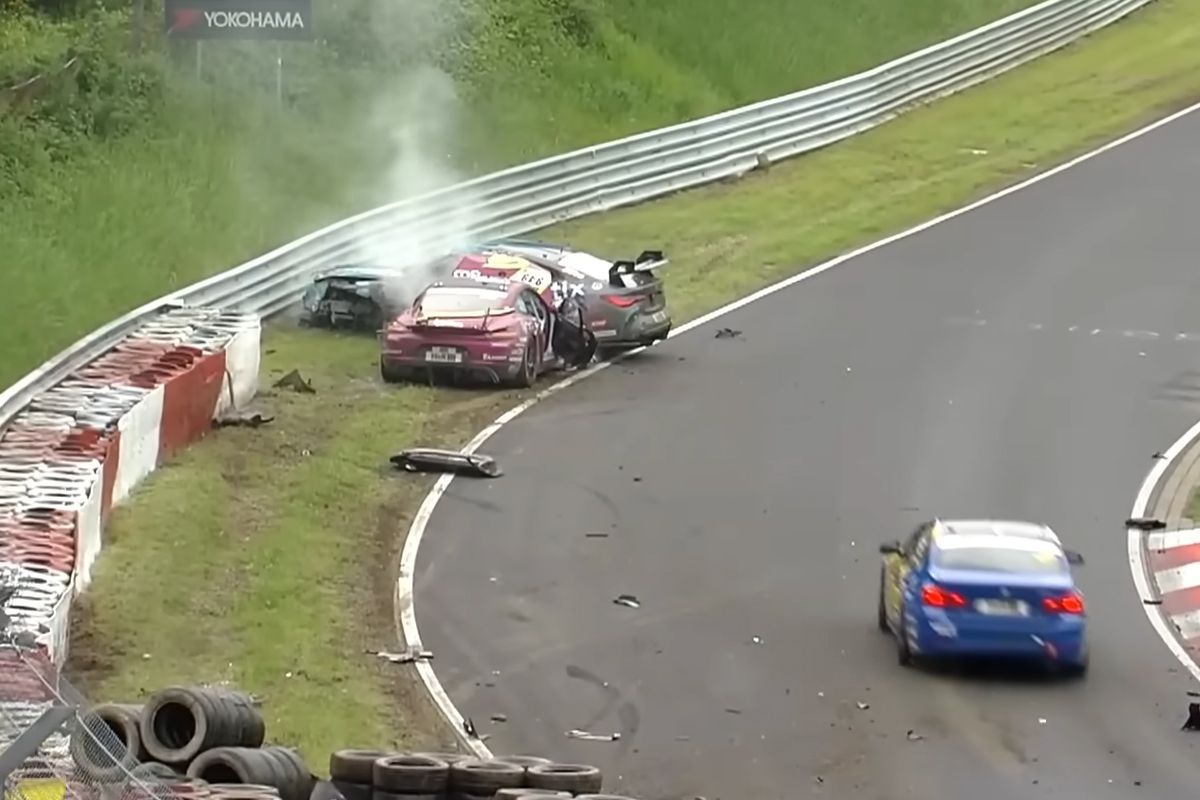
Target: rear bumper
x: 494, y: 368
x: 633, y: 334
x: 1061, y: 639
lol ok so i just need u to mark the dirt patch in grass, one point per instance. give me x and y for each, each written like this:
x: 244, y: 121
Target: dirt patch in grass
x: 249, y: 560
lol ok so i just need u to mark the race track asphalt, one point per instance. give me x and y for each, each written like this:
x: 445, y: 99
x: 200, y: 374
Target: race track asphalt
x: 1023, y: 360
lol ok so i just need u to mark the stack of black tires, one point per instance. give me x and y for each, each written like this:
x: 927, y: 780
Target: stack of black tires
x: 194, y: 742
x: 207, y: 743
x: 380, y: 775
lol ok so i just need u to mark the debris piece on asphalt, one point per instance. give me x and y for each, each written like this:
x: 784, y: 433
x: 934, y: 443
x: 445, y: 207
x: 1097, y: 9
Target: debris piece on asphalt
x: 627, y: 600
x: 600, y: 535
x: 733, y: 711
x: 499, y: 718
x: 913, y: 736
x: 1192, y: 723
x: 575, y: 733
x: 1041, y: 720
x: 1157, y: 602
x: 862, y: 706
x: 727, y: 333
x: 247, y: 419
x: 432, y: 459
x: 469, y: 728
x: 296, y: 382
x: 756, y: 640
x: 637, y: 478
x: 1193, y: 693
x: 1145, y: 523
x: 409, y: 656
x: 1158, y: 455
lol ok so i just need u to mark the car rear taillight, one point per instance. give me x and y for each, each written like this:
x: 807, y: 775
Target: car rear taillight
x: 622, y: 300
x: 1070, y: 603
x: 936, y: 596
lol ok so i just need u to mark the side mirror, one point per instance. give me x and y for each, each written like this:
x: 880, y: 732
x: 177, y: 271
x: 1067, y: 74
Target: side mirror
x: 1074, y: 558
x: 888, y: 548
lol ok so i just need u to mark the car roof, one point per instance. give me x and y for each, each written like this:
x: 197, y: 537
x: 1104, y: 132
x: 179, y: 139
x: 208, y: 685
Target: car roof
x: 995, y: 530
x: 366, y: 272
x: 576, y: 263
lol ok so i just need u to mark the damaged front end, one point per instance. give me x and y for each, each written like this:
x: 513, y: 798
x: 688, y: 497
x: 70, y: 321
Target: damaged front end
x: 348, y: 297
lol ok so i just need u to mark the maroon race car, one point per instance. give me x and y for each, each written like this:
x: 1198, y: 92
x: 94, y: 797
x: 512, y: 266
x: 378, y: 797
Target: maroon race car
x: 501, y: 331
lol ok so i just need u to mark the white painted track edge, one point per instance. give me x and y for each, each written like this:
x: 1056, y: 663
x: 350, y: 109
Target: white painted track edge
x: 405, y: 601
x: 1136, y: 543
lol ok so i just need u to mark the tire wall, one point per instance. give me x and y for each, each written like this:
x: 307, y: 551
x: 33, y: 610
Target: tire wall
x: 79, y: 448
x: 210, y: 742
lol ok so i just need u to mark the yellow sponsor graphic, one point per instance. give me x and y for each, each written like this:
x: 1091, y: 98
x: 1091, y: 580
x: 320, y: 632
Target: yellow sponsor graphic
x: 505, y: 261
x: 37, y: 789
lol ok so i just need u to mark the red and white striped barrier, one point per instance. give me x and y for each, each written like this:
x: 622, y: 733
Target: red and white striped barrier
x: 81, y: 447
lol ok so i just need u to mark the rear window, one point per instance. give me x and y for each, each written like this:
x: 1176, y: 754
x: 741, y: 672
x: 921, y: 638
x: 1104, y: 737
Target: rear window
x: 450, y: 301
x: 1000, y: 559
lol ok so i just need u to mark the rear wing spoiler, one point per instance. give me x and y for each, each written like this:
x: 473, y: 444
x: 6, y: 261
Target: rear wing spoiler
x: 648, y: 261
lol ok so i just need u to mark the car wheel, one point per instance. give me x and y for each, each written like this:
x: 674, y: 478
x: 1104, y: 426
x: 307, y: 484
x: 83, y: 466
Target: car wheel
x: 883, y: 620
x: 528, y: 374
x: 1076, y: 670
x: 904, y: 655
x: 391, y: 374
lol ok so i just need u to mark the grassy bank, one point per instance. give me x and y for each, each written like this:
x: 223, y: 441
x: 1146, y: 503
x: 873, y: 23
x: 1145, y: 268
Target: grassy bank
x: 312, y: 530
x: 140, y: 174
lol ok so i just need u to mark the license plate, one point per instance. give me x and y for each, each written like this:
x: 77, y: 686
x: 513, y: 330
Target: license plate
x: 658, y: 316
x: 443, y: 355
x: 1002, y: 608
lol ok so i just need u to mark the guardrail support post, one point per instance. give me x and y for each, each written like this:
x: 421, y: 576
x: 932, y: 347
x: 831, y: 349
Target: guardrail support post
x: 26, y: 745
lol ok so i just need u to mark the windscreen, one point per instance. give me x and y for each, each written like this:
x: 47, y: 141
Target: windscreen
x: 461, y: 301
x: 1000, y: 559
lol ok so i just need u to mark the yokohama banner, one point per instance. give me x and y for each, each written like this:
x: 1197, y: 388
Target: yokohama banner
x: 239, y: 19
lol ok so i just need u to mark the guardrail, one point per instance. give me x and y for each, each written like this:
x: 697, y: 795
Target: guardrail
x: 617, y: 173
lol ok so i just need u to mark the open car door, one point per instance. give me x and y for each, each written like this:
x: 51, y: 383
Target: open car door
x: 573, y: 338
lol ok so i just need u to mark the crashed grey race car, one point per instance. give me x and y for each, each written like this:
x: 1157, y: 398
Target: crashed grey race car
x: 625, y: 302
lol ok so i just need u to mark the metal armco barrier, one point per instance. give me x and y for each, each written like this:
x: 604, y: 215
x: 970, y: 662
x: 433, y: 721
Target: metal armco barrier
x: 617, y: 173
x: 81, y: 431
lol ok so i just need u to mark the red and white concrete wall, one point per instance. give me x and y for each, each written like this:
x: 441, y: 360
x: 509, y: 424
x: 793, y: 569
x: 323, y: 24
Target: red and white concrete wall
x: 1174, y: 561
x: 82, y: 446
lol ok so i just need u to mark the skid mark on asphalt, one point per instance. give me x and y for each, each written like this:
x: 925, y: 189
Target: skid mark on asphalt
x: 1080, y: 331
x: 628, y: 717
x: 1182, y: 387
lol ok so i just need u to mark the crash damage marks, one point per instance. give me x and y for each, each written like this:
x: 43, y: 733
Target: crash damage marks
x: 505, y: 311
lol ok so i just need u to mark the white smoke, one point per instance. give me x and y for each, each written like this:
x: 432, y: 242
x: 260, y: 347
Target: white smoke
x: 420, y: 116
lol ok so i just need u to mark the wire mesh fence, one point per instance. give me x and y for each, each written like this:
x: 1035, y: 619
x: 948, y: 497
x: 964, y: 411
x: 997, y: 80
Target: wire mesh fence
x: 54, y: 745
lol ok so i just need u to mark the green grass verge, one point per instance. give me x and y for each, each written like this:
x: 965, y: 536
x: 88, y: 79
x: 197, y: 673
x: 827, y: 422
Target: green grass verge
x: 138, y: 180
x: 1192, y: 511
x: 305, y: 528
